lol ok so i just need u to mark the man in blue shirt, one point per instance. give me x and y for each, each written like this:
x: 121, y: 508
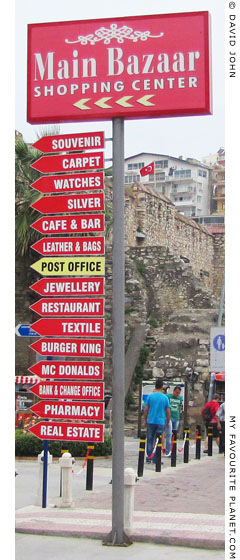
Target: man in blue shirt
x: 156, y: 414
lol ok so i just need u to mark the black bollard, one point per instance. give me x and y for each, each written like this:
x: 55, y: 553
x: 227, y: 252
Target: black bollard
x: 198, y: 442
x: 210, y: 439
x: 158, y: 452
x: 141, y: 454
x: 174, y: 449
x: 186, y: 445
x: 222, y: 438
x: 89, y: 474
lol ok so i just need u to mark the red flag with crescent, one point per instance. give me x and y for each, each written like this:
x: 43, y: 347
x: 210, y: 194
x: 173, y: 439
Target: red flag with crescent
x: 147, y: 169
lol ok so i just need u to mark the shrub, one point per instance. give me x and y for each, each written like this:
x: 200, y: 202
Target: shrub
x: 141, y: 267
x: 143, y: 356
x: 152, y: 322
x: 28, y: 445
x: 129, y: 399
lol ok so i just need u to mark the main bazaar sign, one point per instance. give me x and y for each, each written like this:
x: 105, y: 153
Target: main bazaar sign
x: 127, y: 67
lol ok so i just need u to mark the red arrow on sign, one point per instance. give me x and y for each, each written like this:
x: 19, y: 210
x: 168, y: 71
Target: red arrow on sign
x: 70, y: 246
x: 72, y: 183
x: 70, y: 142
x: 69, y: 409
x: 69, y: 203
x: 68, y: 431
x: 69, y: 306
x: 88, y: 371
x: 70, y: 224
x: 69, y: 327
x: 70, y: 347
x: 62, y: 390
x: 69, y: 162
x: 69, y: 287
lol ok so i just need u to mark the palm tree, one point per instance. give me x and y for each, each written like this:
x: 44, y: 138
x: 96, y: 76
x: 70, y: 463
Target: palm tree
x: 25, y: 154
x: 25, y: 196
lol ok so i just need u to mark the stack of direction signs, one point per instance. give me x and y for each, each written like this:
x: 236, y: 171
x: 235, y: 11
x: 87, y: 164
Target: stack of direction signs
x: 72, y: 311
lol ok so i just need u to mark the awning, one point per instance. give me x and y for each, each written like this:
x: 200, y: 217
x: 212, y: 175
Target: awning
x: 29, y: 379
x: 220, y: 376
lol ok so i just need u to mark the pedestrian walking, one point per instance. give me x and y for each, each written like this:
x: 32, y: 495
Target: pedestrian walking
x: 175, y: 402
x: 220, y: 416
x: 209, y: 412
x: 156, y: 415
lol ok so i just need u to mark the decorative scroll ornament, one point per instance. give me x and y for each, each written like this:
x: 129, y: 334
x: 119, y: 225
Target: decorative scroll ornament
x: 106, y: 35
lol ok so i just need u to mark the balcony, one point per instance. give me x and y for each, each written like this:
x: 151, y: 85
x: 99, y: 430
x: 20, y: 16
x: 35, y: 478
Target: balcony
x: 186, y: 203
x: 183, y: 190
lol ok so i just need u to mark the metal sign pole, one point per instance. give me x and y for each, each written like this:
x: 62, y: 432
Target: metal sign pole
x: 117, y: 535
x: 45, y: 474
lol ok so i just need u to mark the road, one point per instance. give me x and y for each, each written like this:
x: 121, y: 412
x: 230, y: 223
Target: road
x: 47, y: 547
x: 52, y: 548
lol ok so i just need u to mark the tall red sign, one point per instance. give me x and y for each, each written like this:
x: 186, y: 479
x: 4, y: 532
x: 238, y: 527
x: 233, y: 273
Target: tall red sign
x: 70, y: 246
x: 70, y: 142
x: 66, y: 431
x: 63, y: 390
x: 69, y: 183
x: 69, y: 162
x: 70, y: 203
x: 70, y: 224
x: 59, y: 307
x: 69, y: 409
x: 69, y: 327
x: 49, y: 369
x: 69, y: 286
x: 130, y: 67
x: 94, y: 348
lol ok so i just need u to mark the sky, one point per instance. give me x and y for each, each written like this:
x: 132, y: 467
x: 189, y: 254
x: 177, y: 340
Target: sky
x: 186, y: 136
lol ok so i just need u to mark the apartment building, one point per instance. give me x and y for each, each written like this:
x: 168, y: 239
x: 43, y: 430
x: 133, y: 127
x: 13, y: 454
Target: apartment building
x: 185, y: 182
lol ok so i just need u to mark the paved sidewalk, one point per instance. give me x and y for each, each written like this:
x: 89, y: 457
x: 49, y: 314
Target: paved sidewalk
x: 182, y: 505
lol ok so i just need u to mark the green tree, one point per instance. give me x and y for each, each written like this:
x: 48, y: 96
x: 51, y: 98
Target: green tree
x: 25, y: 175
x: 25, y: 195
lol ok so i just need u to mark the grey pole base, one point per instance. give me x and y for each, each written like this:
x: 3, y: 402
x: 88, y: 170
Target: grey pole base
x: 110, y: 540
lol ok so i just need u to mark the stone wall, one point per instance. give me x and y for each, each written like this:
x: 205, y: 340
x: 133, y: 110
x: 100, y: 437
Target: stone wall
x: 151, y: 219
x: 218, y: 261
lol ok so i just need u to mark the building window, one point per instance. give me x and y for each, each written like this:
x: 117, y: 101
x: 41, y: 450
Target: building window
x: 199, y: 198
x: 132, y: 166
x: 161, y: 164
x: 131, y: 179
x: 182, y: 173
x: 160, y: 176
x: 202, y: 173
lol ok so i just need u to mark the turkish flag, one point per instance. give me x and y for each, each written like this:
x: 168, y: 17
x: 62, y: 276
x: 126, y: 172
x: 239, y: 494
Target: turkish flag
x: 147, y: 169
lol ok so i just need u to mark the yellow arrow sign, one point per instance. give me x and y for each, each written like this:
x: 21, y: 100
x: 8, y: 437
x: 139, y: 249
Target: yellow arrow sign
x: 81, y: 104
x: 144, y: 100
x: 103, y: 103
x: 124, y: 101
x: 70, y: 266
